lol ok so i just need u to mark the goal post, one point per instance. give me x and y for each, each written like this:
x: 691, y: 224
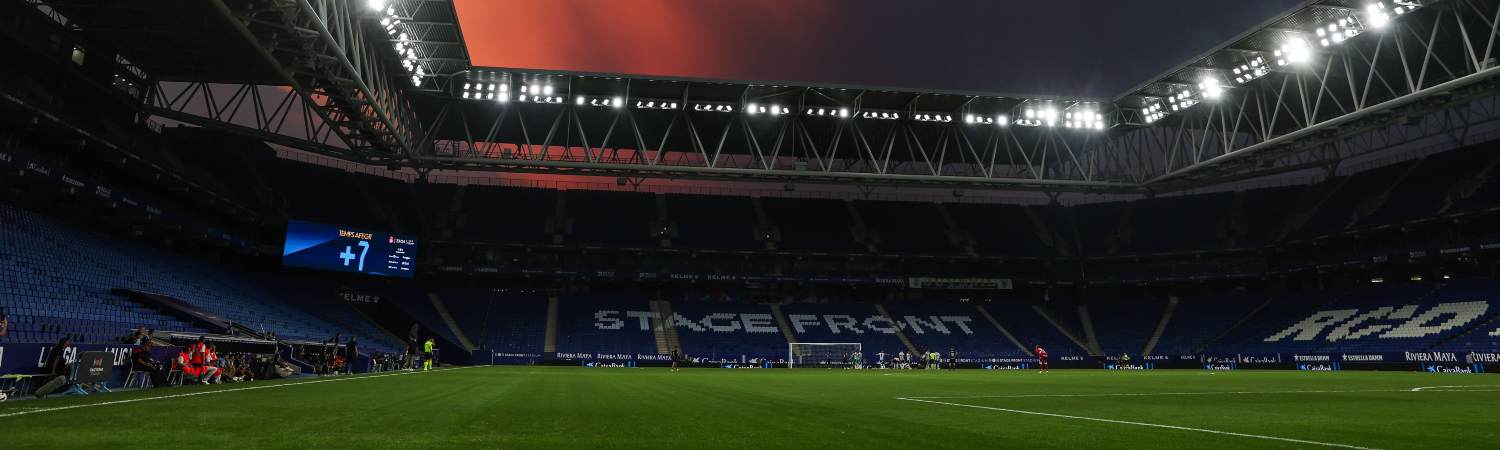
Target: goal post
x: 821, y: 354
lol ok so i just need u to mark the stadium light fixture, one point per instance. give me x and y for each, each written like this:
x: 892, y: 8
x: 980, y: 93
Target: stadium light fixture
x: 1338, y: 31
x: 618, y: 102
x: 1038, y: 115
x: 1182, y: 100
x: 974, y: 119
x: 1153, y: 112
x: 1084, y: 116
x: 375, y: 5
x: 711, y: 107
x: 1210, y: 87
x: 1293, y: 51
x: 1376, y: 16
x: 1251, y: 70
x: 1405, y: 6
x: 475, y: 90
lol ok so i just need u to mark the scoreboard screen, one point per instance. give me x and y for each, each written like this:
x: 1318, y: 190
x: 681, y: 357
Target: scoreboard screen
x: 343, y: 249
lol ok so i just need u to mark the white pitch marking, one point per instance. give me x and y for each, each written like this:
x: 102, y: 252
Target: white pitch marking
x: 195, y: 394
x: 1496, y: 388
x: 1144, y: 424
x: 1420, y: 389
x: 1153, y: 394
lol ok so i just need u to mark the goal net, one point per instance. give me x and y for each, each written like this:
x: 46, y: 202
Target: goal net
x: 821, y: 354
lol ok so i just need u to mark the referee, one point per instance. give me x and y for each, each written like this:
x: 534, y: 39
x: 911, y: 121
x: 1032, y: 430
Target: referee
x: 427, y: 348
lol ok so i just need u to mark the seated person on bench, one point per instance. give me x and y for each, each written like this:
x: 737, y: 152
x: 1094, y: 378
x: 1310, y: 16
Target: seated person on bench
x: 140, y: 361
x: 57, y: 369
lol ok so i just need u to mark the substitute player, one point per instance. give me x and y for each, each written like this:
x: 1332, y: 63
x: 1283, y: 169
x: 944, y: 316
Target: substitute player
x: 1041, y: 358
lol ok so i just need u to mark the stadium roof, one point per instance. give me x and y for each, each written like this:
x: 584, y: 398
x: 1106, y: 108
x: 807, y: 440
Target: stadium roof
x: 387, y: 82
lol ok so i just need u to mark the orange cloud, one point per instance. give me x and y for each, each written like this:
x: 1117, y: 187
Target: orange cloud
x: 743, y: 39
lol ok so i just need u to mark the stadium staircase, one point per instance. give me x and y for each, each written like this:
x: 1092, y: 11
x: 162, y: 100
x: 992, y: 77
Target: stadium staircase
x: 380, y: 209
x: 458, y: 333
x: 1062, y: 330
x: 764, y: 229
x: 899, y: 334
x: 1124, y: 237
x: 1308, y: 206
x: 1234, y: 226
x: 373, y: 326
x: 664, y: 224
x: 1161, y: 327
x: 1483, y: 328
x: 454, y: 218
x: 665, y: 325
x: 1088, y: 330
x: 862, y: 234
x: 1043, y: 232
x: 786, y: 328
x: 1373, y: 203
x: 549, y: 340
x: 1237, y: 324
x: 956, y: 234
x: 1463, y: 189
x: 1003, y: 331
x: 559, y: 226
x: 424, y: 215
x: 262, y: 188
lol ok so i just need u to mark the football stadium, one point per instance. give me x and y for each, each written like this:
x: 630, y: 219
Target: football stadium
x: 614, y: 224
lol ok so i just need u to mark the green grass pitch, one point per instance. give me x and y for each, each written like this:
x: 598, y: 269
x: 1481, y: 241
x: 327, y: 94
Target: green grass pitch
x: 569, y: 407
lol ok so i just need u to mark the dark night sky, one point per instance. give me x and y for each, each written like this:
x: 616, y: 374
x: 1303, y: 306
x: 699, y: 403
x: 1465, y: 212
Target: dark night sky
x: 1052, y: 47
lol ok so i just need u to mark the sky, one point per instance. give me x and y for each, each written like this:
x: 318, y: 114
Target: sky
x: 1048, y: 47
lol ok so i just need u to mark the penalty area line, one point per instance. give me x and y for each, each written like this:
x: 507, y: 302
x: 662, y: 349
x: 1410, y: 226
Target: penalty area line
x: 1142, y: 424
x: 221, y: 391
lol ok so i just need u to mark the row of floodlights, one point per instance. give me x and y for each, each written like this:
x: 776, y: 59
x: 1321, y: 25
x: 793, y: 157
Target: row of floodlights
x: 1293, y: 50
x: 400, y: 40
x: 500, y: 92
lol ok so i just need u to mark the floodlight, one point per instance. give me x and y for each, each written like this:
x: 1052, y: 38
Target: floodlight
x: 618, y: 102
x: 1210, y: 87
x: 1376, y: 16
x: 1293, y: 51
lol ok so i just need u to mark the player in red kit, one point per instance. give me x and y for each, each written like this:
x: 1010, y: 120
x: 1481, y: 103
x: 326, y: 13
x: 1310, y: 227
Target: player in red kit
x: 1041, y: 358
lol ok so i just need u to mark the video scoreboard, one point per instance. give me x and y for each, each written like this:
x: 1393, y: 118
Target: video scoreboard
x: 343, y: 249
